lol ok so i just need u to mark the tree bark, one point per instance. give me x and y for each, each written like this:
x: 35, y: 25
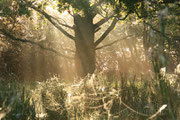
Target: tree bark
x: 84, y: 42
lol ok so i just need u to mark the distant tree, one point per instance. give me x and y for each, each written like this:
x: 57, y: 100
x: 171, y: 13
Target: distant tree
x: 161, y: 34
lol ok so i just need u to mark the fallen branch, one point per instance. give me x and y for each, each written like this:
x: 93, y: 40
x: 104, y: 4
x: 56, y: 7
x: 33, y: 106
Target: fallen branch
x: 157, y: 113
x: 142, y: 114
x: 150, y: 117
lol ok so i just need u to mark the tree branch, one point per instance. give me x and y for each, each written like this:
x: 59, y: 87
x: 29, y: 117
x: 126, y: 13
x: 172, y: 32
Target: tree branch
x: 110, y: 27
x: 106, y: 32
x: 98, y: 3
x: 97, y: 29
x: 101, y: 22
x: 95, y: 7
x: 124, y: 17
x: 69, y: 50
x: 159, y: 32
x: 107, y: 45
x: 50, y: 20
x: 138, y: 14
x: 34, y: 43
x: 65, y: 25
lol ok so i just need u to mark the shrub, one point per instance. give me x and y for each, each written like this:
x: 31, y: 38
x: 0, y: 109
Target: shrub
x: 15, y: 102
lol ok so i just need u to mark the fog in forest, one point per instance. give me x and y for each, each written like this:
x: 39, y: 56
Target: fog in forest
x: 90, y: 59
x: 122, y: 51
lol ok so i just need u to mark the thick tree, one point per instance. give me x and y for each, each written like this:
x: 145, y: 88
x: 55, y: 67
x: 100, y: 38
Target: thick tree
x: 83, y: 13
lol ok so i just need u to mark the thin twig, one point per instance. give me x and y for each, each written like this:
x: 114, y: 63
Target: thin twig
x: 65, y: 25
x: 157, y: 31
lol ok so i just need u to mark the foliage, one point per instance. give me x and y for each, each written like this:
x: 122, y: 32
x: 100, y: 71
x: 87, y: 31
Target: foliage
x: 16, y: 103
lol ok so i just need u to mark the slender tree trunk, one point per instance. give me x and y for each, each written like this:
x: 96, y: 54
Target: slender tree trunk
x: 84, y: 42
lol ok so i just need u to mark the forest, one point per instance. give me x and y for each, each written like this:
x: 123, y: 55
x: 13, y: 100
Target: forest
x: 89, y: 60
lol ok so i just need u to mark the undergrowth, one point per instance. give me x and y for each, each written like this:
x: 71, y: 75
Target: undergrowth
x: 95, y: 97
x: 15, y: 102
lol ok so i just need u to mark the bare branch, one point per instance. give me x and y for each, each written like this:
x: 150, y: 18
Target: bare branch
x: 95, y: 7
x: 159, y: 32
x: 34, y: 43
x: 97, y: 29
x: 110, y: 28
x: 157, y: 113
x: 47, y: 16
x: 98, y: 3
x: 107, y: 45
x: 104, y: 20
x: 69, y: 50
x: 65, y: 25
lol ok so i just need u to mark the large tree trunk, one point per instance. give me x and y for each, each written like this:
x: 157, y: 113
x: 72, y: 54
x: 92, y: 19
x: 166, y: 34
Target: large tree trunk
x: 84, y: 42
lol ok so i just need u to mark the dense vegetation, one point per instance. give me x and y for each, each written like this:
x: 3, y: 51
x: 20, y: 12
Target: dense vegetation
x: 89, y: 59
